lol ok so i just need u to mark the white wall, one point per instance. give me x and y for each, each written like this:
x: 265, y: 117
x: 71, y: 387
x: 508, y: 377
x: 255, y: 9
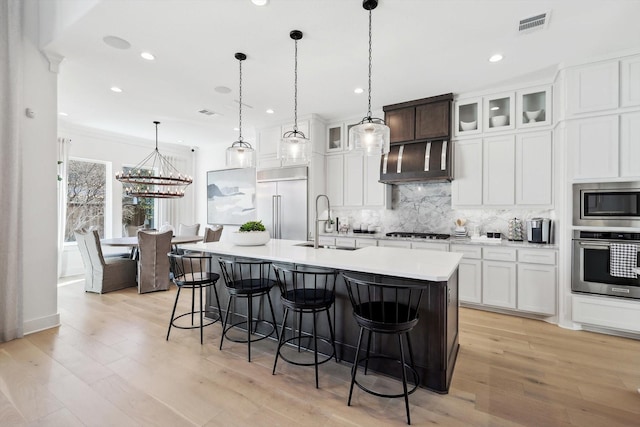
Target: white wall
x: 39, y: 186
x: 207, y: 159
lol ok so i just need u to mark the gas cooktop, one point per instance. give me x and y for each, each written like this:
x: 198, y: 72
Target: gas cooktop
x: 431, y: 236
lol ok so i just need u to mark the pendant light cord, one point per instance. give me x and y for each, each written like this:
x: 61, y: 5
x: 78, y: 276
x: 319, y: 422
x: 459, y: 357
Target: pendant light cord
x: 240, y: 109
x: 295, y: 88
x: 369, y: 111
x: 156, y: 123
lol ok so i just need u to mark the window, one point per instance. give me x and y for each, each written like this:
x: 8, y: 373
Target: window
x: 137, y: 211
x: 86, y: 191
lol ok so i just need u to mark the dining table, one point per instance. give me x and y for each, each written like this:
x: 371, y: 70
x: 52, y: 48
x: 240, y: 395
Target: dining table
x: 132, y: 242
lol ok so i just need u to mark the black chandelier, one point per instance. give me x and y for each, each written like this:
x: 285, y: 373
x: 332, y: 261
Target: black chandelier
x: 154, y: 177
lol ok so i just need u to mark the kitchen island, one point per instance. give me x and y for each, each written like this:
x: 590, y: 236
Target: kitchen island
x: 435, y: 338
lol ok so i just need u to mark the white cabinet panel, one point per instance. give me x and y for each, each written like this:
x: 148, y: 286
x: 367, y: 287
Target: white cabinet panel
x: 470, y: 280
x: 430, y: 246
x: 595, y: 147
x: 499, y: 253
x: 499, y: 284
x: 354, y: 179
x: 537, y: 256
x: 335, y: 180
x: 469, y: 251
x: 374, y: 191
x: 499, y: 171
x: 630, y: 81
x: 345, y: 242
x: 363, y: 243
x: 395, y: 243
x: 537, y: 288
x: 534, y: 168
x: 268, y: 140
x: 630, y: 144
x: 593, y: 88
x: 326, y: 240
x: 468, y: 116
x: 607, y: 312
x: 466, y: 188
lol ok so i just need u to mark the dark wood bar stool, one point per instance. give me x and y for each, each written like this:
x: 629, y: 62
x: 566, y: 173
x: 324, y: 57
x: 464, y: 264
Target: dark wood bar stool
x: 247, y: 279
x: 192, y: 271
x: 305, y: 292
x: 384, y: 305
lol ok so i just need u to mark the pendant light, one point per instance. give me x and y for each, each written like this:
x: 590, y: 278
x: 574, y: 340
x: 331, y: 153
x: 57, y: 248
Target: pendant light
x: 372, y: 134
x: 241, y: 154
x: 294, y: 145
x: 154, y: 177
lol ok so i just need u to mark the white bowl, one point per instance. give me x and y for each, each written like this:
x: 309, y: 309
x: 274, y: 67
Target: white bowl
x: 497, y: 121
x: 468, y: 125
x: 532, y: 115
x: 249, y: 238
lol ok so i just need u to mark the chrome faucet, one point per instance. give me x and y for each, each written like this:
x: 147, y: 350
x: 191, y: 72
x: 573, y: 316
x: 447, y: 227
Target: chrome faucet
x: 316, y: 238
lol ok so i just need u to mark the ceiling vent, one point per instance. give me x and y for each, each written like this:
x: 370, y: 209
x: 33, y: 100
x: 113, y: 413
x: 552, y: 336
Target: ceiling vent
x: 208, y: 112
x: 533, y: 23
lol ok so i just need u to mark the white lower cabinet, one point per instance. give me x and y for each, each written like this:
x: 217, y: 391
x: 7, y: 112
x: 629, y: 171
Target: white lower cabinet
x: 470, y: 280
x: 345, y: 242
x: 326, y: 240
x: 363, y: 243
x: 395, y: 243
x: 430, y: 246
x: 520, y: 279
x: 499, y: 284
x: 537, y: 288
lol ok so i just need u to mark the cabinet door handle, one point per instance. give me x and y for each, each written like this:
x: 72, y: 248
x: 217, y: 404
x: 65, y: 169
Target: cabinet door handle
x: 443, y: 156
x: 399, y: 165
x: 427, y: 157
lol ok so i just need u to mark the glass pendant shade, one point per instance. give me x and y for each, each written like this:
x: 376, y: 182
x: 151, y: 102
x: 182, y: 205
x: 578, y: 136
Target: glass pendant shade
x: 371, y: 137
x: 241, y: 155
x: 295, y: 148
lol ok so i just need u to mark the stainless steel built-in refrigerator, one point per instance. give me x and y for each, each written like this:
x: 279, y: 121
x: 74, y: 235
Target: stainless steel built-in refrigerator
x: 282, y: 202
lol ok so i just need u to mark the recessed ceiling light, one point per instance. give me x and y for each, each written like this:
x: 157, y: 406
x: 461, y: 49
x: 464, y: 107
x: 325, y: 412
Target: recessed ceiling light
x: 222, y: 89
x: 180, y: 141
x: 270, y: 111
x: 358, y: 90
x: 236, y: 129
x: 148, y: 56
x: 61, y: 113
x: 116, y: 42
x: 260, y: 2
x: 495, y: 58
x: 116, y: 89
x: 495, y: 108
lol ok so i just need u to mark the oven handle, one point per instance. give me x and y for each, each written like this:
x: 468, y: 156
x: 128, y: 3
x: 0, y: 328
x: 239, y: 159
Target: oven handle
x: 592, y: 245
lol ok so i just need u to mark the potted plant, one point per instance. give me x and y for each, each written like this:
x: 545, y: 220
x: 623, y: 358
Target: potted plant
x: 251, y: 233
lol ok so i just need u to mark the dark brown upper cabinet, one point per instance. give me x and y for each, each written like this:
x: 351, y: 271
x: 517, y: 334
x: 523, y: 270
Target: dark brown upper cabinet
x: 419, y: 120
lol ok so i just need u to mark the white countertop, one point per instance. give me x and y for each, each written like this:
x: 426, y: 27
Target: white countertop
x: 422, y: 265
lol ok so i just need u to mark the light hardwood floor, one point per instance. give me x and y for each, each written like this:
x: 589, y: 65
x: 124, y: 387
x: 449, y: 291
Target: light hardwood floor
x: 109, y: 364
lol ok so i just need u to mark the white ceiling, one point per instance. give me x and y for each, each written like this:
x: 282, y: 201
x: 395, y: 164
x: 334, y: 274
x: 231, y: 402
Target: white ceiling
x: 421, y: 48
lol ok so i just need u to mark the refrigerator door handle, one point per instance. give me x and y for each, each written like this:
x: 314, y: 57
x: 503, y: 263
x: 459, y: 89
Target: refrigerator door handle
x: 279, y: 217
x: 274, y: 219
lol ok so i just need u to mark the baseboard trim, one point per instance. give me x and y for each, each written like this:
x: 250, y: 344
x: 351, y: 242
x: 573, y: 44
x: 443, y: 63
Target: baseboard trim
x: 36, y: 325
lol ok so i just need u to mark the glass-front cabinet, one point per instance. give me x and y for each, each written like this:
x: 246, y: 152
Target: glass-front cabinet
x: 500, y: 111
x: 468, y: 117
x: 534, y: 107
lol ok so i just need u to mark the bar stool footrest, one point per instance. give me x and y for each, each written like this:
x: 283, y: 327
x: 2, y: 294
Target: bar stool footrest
x: 325, y: 358
x: 416, y: 378
x: 244, y: 322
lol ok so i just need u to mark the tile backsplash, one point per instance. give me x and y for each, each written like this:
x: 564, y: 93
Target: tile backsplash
x: 427, y: 208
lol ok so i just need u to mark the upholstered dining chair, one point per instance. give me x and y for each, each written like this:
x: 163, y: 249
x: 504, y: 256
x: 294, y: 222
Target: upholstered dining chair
x: 213, y: 234
x: 103, y: 275
x: 153, y: 265
x: 188, y: 230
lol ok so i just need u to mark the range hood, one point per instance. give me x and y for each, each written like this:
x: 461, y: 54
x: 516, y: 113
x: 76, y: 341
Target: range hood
x: 417, y: 162
x: 420, y: 141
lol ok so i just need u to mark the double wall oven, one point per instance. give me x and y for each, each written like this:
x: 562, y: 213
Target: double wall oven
x: 609, y: 215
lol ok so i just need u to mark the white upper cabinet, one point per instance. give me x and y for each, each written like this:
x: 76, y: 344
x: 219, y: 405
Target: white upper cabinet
x: 466, y: 188
x: 595, y: 147
x: 500, y: 112
x: 630, y: 144
x: 354, y: 179
x: 336, y: 138
x: 374, y: 191
x: 533, y: 107
x: 268, y: 140
x: 534, y: 168
x: 593, y: 87
x: 630, y: 81
x: 499, y: 171
x: 335, y: 180
x: 468, y: 117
